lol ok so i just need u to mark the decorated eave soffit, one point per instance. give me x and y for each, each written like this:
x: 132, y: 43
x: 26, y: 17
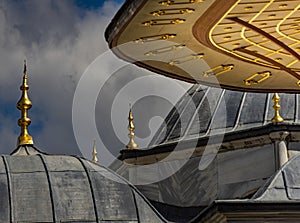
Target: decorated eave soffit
x: 249, y: 45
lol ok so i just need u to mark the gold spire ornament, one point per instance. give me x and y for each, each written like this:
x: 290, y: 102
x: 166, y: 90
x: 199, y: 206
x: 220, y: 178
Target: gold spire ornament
x: 131, y: 144
x: 95, y: 158
x: 23, y: 105
x: 277, y: 118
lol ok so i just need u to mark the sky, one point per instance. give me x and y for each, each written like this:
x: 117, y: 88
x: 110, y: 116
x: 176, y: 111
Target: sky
x: 60, y: 40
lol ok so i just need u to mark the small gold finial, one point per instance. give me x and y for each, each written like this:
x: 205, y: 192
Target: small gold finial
x: 131, y: 144
x: 277, y: 118
x: 23, y: 105
x: 95, y: 159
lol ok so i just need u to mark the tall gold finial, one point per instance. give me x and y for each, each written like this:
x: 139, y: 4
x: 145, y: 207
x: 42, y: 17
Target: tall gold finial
x: 95, y: 159
x: 276, y: 107
x: 131, y: 144
x: 23, y: 105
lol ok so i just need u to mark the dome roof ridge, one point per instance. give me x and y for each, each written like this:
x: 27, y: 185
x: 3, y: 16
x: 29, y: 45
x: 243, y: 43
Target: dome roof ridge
x: 25, y: 150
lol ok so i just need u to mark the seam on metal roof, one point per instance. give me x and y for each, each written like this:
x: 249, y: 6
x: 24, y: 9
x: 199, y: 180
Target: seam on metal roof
x: 196, y: 112
x: 91, y: 188
x: 214, y: 113
x: 9, y: 188
x: 136, y: 207
x: 50, y: 188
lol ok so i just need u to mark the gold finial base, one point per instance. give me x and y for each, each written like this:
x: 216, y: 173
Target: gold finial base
x: 131, y: 145
x: 277, y: 118
x: 25, y: 140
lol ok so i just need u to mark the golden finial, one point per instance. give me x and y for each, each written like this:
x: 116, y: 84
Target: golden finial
x: 95, y: 159
x: 276, y: 107
x: 131, y: 144
x: 23, y: 105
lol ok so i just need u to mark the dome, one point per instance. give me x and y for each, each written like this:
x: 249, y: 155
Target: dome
x: 37, y: 187
x: 205, y: 111
x: 284, y: 185
x: 276, y: 201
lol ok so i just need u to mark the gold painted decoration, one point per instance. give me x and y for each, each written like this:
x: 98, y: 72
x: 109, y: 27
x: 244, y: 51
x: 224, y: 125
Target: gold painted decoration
x: 177, y: 11
x: 277, y: 118
x: 184, y: 59
x: 131, y: 144
x: 252, y: 35
x: 269, y: 29
x: 173, y: 2
x: 24, y: 104
x: 158, y: 22
x: 155, y: 37
x: 254, y: 80
x: 165, y: 50
x: 223, y: 68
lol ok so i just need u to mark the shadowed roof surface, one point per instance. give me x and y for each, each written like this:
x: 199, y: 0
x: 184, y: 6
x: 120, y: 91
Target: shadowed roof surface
x: 284, y: 185
x: 205, y: 111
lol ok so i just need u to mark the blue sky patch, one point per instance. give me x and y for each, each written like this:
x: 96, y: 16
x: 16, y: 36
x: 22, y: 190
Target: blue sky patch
x: 92, y: 4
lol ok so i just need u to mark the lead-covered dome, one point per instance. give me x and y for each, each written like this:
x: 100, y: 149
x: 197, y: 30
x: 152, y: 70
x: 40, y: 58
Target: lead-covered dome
x: 36, y: 187
x: 205, y: 111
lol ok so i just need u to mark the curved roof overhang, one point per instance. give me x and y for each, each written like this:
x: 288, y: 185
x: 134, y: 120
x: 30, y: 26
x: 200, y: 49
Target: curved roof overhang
x: 236, y: 44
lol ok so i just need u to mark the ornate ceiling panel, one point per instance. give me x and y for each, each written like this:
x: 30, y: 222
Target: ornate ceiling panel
x: 236, y: 44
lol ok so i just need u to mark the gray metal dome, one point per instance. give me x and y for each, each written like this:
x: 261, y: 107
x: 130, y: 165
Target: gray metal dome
x: 36, y: 187
x: 284, y: 185
x: 204, y: 111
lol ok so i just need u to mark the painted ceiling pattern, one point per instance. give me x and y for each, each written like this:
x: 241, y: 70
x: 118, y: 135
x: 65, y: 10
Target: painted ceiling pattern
x: 248, y: 45
x: 262, y: 32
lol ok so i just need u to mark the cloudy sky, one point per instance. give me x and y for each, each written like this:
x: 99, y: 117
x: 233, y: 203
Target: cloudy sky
x: 60, y: 39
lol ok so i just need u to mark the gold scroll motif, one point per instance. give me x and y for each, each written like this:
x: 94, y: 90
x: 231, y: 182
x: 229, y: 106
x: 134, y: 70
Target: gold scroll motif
x: 155, y: 38
x: 223, y: 68
x: 164, y: 50
x: 184, y: 59
x: 157, y: 22
x: 172, y: 2
x: 253, y: 78
x: 179, y: 11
